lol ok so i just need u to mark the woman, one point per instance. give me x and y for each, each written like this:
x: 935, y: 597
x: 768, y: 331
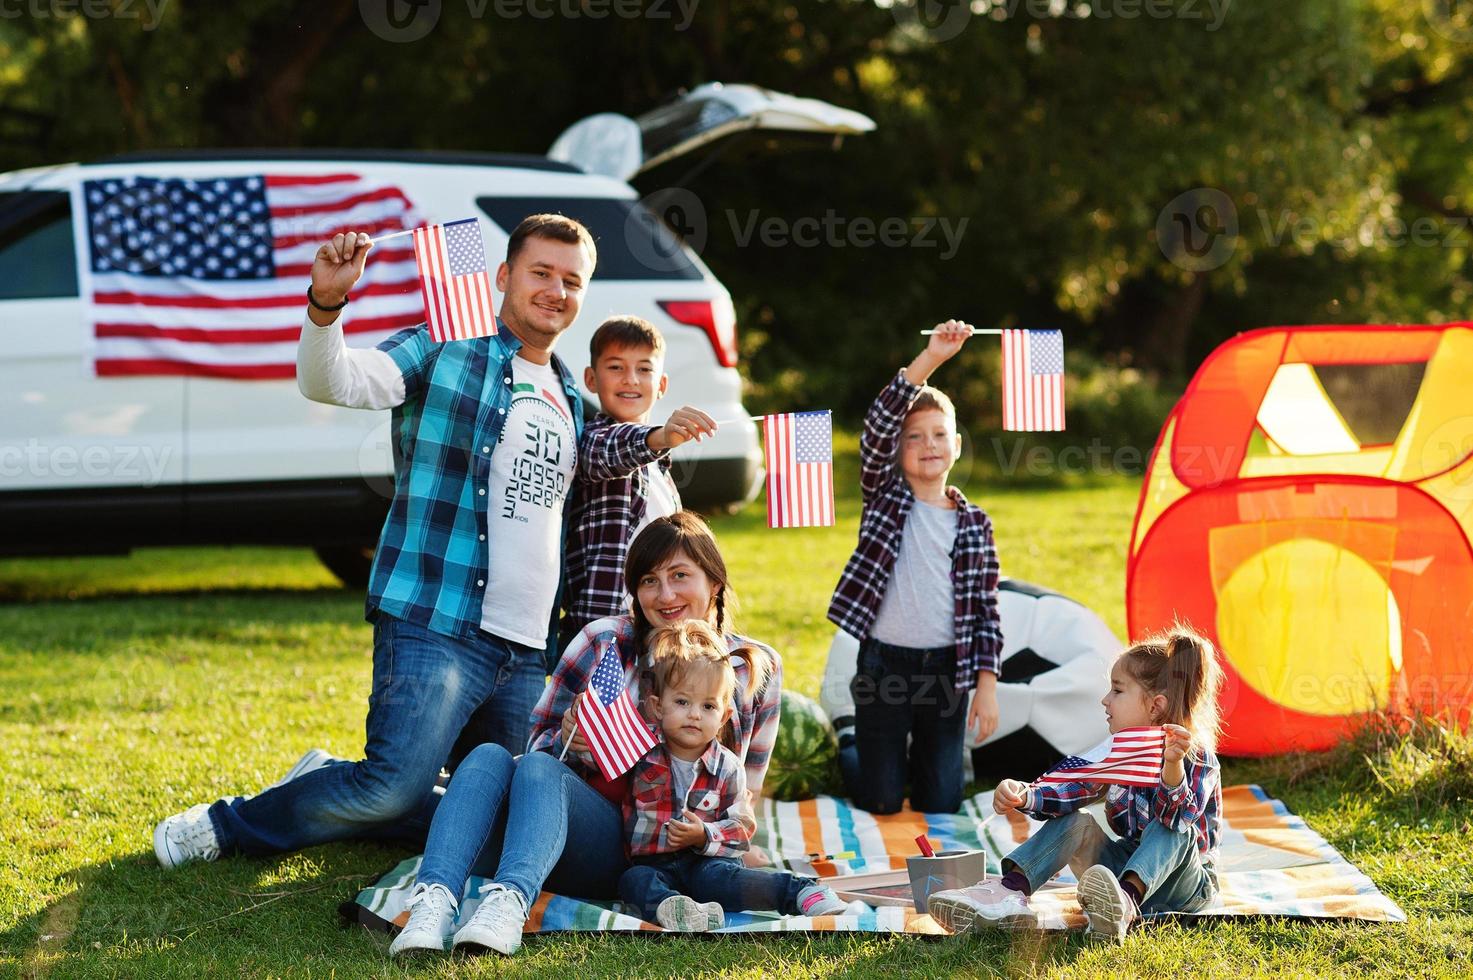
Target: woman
x: 559, y: 831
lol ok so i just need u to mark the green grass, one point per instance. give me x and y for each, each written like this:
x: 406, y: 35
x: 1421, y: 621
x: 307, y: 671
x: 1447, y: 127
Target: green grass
x: 132, y: 687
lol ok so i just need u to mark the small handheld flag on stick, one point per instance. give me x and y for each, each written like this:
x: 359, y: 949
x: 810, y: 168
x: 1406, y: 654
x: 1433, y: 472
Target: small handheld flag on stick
x: 453, y: 278
x: 1130, y: 757
x: 616, y: 735
x: 1033, y: 380
x: 799, y: 451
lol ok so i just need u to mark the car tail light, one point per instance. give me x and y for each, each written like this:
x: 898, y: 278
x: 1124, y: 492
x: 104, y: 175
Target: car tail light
x: 716, y: 317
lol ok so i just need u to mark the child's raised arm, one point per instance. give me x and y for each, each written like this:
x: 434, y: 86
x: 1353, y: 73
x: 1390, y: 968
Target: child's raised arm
x: 886, y: 415
x: 944, y: 344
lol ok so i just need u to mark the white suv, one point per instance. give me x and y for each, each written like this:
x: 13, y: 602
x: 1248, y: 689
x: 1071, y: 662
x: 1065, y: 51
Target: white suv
x: 97, y: 460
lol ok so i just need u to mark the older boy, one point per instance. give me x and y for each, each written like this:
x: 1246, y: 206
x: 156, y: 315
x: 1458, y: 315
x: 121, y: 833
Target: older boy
x: 920, y: 591
x: 623, y: 480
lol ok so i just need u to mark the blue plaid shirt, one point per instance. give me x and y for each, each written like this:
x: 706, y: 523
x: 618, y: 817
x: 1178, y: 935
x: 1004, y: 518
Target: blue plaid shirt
x: 431, y: 564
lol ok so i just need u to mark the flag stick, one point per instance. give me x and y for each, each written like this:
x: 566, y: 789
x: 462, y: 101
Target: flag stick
x: 975, y: 331
x: 397, y: 234
x: 747, y: 418
x: 568, y: 744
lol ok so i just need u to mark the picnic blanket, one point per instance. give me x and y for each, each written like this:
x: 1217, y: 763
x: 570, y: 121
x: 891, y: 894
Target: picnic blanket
x: 1271, y: 863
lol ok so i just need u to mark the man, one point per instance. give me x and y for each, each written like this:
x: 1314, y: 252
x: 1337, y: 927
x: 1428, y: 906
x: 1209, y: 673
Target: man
x: 463, y: 595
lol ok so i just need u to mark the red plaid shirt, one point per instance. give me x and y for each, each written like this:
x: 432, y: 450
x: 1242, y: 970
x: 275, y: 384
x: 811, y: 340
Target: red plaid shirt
x: 753, y: 723
x: 1195, y: 806
x: 610, y: 493
x: 887, y: 502
x: 717, y: 797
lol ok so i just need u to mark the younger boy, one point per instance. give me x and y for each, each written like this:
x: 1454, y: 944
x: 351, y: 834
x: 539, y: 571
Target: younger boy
x: 623, y: 477
x: 686, y: 822
x: 920, y: 592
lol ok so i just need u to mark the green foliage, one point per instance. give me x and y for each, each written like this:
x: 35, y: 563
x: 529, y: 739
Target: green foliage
x: 1050, y: 137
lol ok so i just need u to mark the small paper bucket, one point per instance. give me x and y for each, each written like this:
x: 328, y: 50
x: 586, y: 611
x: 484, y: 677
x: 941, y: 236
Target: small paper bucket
x: 948, y: 869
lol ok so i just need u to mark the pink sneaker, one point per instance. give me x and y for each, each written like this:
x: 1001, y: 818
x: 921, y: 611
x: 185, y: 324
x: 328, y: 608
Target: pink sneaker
x: 985, y: 905
x: 1110, y: 909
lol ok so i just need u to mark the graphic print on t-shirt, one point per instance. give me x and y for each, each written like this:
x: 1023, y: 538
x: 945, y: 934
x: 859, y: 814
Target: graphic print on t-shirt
x: 531, y: 471
x: 539, y: 476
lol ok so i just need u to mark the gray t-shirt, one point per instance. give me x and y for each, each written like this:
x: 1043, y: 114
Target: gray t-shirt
x: 684, y: 774
x: 919, y: 607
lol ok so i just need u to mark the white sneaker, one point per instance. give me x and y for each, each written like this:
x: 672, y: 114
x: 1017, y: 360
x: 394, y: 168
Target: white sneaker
x: 985, y: 905
x: 497, y: 923
x: 431, y: 913
x: 185, y: 837
x: 818, y: 899
x: 311, y: 761
x: 681, y: 913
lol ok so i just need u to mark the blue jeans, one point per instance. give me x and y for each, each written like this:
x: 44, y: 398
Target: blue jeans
x: 525, y: 823
x: 426, y: 687
x: 1167, y: 862
x: 723, y: 880
x: 905, y: 693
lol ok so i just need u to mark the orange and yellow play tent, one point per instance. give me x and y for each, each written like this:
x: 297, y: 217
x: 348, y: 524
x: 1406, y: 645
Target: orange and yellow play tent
x: 1309, y: 506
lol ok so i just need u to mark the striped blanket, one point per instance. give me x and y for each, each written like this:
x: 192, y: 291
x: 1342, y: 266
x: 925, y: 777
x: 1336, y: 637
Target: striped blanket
x: 1271, y: 863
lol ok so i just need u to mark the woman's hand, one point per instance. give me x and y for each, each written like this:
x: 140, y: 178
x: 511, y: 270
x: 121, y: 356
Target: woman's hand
x: 982, y: 719
x: 571, y: 738
x: 688, y: 832
x: 1009, y: 795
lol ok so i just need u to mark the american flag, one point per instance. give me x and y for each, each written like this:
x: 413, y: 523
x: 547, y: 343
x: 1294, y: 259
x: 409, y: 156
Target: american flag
x: 617, y: 736
x: 799, y: 450
x: 208, y: 277
x: 1130, y: 757
x: 452, y: 275
x: 1033, y: 380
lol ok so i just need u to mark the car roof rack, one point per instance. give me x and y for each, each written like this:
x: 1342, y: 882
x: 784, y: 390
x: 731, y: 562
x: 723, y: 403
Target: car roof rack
x: 525, y: 161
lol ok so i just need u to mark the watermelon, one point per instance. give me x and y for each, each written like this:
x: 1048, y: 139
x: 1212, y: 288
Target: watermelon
x: 805, y: 757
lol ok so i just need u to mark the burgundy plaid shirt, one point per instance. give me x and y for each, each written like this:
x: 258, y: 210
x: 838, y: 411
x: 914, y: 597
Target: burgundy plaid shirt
x: 610, y: 493
x: 1194, y: 807
x: 887, y: 502
x: 753, y: 723
x: 717, y: 797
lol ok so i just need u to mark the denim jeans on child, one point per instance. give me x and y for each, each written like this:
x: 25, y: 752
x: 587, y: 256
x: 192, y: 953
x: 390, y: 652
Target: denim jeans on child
x: 900, y: 693
x: 1167, y: 862
x: 723, y: 880
x: 426, y: 687
x: 525, y: 823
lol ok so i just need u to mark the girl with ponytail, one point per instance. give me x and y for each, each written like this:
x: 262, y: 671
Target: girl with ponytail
x: 1165, y: 859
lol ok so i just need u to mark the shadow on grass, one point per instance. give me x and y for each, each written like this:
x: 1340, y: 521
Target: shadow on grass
x: 127, y: 915
x: 28, y: 594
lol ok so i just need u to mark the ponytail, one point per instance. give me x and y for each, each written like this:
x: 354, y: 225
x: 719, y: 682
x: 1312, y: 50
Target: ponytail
x: 1182, y: 665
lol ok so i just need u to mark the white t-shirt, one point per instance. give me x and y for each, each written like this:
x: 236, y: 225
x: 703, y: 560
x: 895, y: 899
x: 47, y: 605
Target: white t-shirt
x: 531, y: 470
x: 919, y: 606
x: 659, y: 498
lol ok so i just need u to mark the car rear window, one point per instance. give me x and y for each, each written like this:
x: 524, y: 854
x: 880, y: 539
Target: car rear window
x: 37, y: 257
x: 632, y: 242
